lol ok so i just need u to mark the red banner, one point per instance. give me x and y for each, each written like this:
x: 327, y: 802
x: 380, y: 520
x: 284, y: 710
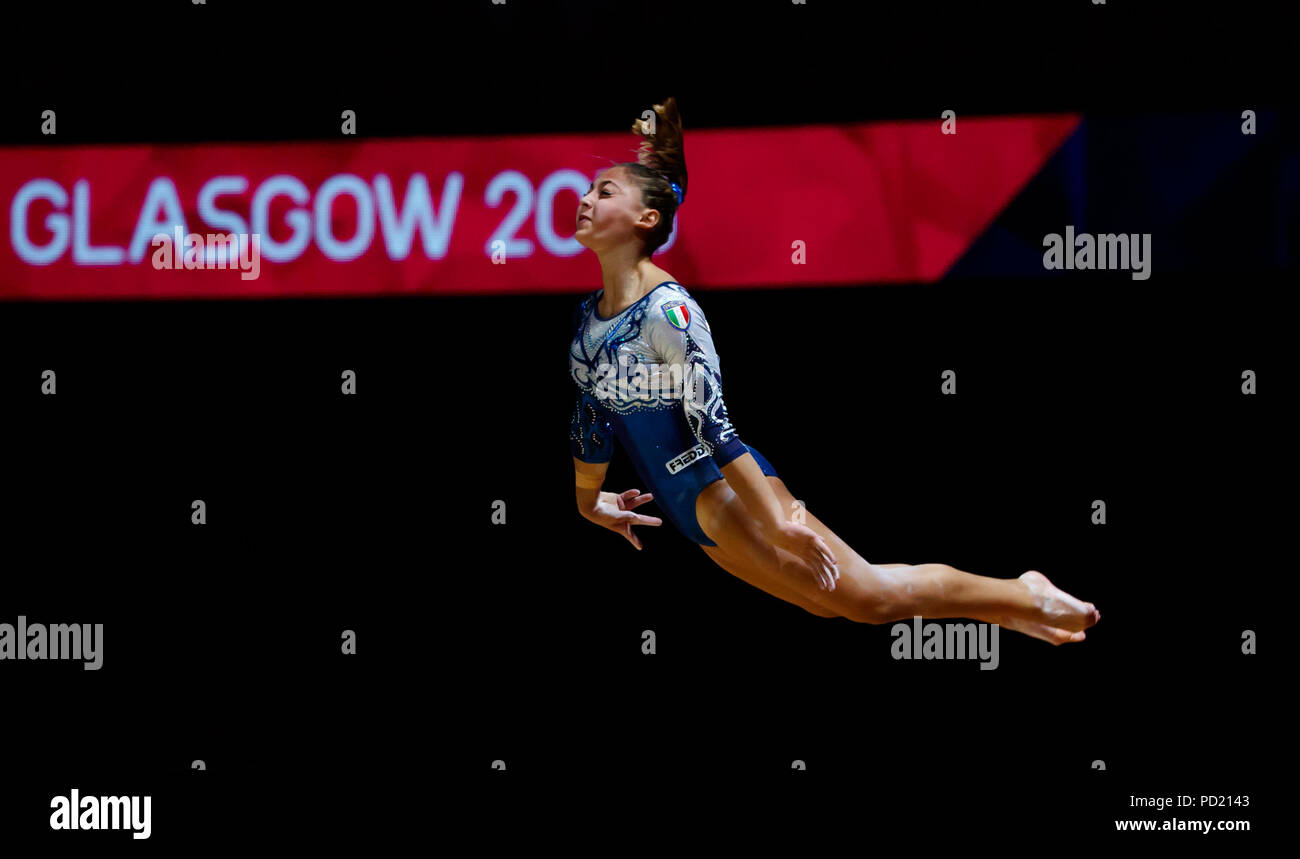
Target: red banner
x: 834, y: 204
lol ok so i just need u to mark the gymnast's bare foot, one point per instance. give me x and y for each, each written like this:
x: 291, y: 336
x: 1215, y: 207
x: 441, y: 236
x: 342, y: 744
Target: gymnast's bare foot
x: 1058, y: 609
x: 1050, y: 634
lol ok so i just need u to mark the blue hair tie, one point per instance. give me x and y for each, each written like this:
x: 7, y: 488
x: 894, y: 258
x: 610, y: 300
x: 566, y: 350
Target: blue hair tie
x: 677, y: 190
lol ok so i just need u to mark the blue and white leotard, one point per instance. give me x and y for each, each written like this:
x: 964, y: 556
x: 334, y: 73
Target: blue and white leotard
x: 650, y: 377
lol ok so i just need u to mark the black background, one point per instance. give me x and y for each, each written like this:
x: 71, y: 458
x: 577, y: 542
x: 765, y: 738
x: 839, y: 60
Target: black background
x: 522, y: 642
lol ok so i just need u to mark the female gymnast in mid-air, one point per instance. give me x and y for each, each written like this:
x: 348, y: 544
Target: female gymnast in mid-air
x: 718, y: 491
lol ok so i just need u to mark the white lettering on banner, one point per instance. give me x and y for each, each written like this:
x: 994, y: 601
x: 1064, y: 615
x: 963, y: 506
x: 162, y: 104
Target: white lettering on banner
x: 501, y: 184
x: 38, y: 189
x: 161, y: 215
x: 435, y: 234
x: 162, y: 193
x: 292, y: 188
x: 309, y: 220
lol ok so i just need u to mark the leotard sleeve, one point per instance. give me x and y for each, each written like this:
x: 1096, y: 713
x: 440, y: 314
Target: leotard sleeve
x: 681, y: 335
x: 591, y: 435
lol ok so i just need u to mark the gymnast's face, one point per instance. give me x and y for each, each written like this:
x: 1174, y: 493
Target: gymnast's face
x: 612, y: 212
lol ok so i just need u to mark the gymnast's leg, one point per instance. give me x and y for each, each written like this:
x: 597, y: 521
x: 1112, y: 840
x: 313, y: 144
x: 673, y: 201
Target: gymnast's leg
x: 880, y: 593
x: 764, y: 581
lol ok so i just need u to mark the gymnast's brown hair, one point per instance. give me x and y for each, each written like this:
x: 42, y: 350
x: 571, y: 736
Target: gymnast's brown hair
x: 661, y: 161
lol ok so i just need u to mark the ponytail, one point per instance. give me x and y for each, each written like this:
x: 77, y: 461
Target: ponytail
x: 660, y: 168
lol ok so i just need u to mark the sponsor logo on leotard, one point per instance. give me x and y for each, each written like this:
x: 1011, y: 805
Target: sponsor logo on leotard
x: 679, y: 315
x: 682, y: 460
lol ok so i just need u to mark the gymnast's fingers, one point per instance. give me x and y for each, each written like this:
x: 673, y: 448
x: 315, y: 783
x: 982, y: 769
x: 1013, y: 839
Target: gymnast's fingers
x: 627, y: 532
x: 830, y: 578
x: 829, y: 557
x: 818, y: 566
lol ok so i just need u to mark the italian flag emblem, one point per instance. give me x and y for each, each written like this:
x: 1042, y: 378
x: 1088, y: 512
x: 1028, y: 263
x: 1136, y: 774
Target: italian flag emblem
x: 678, y: 315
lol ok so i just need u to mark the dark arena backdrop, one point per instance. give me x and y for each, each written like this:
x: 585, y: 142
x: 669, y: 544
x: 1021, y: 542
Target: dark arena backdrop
x: 324, y: 510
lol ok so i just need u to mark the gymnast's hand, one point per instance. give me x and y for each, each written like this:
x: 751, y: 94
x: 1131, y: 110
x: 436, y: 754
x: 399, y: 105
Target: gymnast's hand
x: 614, y: 511
x: 805, y: 543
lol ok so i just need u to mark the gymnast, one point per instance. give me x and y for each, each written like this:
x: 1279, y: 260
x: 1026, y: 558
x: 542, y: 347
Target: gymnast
x: 672, y: 423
